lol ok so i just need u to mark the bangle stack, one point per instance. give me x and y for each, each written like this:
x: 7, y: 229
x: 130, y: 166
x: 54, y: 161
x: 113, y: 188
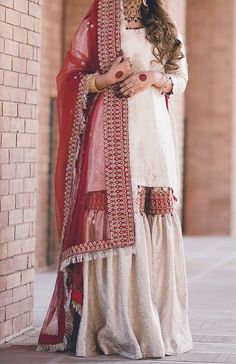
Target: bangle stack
x: 91, y: 83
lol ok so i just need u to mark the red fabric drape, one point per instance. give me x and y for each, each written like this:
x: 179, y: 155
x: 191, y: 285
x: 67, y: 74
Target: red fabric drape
x: 94, y: 47
x: 81, y: 58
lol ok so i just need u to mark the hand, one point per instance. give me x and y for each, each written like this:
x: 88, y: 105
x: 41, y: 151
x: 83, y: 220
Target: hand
x: 135, y: 83
x: 140, y: 81
x: 118, y: 72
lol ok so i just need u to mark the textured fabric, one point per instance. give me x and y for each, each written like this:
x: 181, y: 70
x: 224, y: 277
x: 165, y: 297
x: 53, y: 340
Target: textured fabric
x: 136, y: 305
x: 149, y: 120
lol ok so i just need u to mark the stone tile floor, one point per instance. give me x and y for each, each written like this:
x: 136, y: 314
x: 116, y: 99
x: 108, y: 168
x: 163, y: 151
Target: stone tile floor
x: 211, y: 266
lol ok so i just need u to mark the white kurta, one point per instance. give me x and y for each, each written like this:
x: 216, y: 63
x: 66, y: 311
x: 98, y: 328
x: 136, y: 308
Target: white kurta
x: 150, y: 130
x: 136, y: 305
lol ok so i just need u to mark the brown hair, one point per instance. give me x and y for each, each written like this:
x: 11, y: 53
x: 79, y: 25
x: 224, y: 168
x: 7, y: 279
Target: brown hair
x: 162, y: 33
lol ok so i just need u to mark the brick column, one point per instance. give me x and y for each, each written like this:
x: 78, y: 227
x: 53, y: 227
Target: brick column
x: 233, y: 150
x: 51, y: 58
x: 74, y: 13
x: 209, y: 153
x: 19, y: 81
x: 177, y: 11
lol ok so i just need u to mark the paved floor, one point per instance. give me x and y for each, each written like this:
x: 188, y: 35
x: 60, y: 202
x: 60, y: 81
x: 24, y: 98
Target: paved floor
x: 211, y: 265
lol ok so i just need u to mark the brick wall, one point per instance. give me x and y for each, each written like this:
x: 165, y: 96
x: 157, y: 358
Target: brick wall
x: 209, y: 118
x: 177, y: 11
x: 233, y: 163
x: 51, y: 57
x: 19, y: 83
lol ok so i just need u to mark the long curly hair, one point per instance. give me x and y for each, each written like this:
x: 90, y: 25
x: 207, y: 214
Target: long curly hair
x: 162, y: 33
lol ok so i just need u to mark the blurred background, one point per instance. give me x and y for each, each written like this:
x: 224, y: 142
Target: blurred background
x: 35, y: 35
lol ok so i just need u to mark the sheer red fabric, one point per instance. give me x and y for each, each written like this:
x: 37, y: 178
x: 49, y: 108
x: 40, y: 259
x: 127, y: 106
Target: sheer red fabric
x: 88, y: 123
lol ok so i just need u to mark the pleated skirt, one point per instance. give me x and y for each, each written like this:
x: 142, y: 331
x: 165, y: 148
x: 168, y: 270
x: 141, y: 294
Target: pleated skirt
x: 136, y: 305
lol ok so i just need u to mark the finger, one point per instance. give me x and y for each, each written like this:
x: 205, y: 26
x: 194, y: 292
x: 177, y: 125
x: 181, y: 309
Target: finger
x: 126, y: 81
x: 124, y: 78
x: 126, y: 88
x: 127, y: 91
x: 119, y: 81
x: 127, y: 85
x: 118, y: 60
x: 128, y: 60
x: 129, y: 77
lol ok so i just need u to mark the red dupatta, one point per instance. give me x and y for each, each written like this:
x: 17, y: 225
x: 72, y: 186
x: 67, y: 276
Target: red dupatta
x: 94, y: 47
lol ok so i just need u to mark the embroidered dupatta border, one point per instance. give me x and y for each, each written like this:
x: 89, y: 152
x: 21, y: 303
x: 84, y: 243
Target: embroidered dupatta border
x: 116, y: 142
x: 116, y: 132
x: 78, y: 127
x: 117, y: 175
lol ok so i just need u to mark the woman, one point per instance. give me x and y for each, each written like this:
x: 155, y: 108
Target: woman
x: 121, y: 284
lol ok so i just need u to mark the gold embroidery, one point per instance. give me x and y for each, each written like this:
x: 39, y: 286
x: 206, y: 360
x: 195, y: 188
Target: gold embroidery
x: 116, y: 134
x: 116, y: 140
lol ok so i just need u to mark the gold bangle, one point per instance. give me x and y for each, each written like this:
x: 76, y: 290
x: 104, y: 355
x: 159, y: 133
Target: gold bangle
x: 91, y: 83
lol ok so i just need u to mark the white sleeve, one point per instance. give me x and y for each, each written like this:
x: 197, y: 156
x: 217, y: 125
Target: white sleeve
x: 180, y: 76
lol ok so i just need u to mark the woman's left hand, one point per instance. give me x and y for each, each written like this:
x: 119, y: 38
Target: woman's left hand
x: 137, y: 82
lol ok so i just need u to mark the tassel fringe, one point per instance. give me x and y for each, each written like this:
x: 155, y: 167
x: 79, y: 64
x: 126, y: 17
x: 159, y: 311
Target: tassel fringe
x: 77, y: 307
x: 78, y: 258
x: 53, y: 348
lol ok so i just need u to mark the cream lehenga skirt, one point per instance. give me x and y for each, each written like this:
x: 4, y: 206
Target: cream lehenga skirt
x: 136, y: 305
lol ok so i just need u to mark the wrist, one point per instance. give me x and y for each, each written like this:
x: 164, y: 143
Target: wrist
x: 159, y: 79
x: 168, y: 87
x: 102, y: 81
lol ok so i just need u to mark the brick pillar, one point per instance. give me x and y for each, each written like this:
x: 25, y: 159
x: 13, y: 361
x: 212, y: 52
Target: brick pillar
x: 177, y: 11
x: 19, y: 82
x: 51, y: 58
x: 74, y: 12
x: 233, y: 149
x: 60, y: 18
x: 210, y: 25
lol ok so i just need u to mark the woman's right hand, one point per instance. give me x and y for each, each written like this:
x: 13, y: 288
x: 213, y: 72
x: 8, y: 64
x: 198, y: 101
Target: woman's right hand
x: 118, y: 72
